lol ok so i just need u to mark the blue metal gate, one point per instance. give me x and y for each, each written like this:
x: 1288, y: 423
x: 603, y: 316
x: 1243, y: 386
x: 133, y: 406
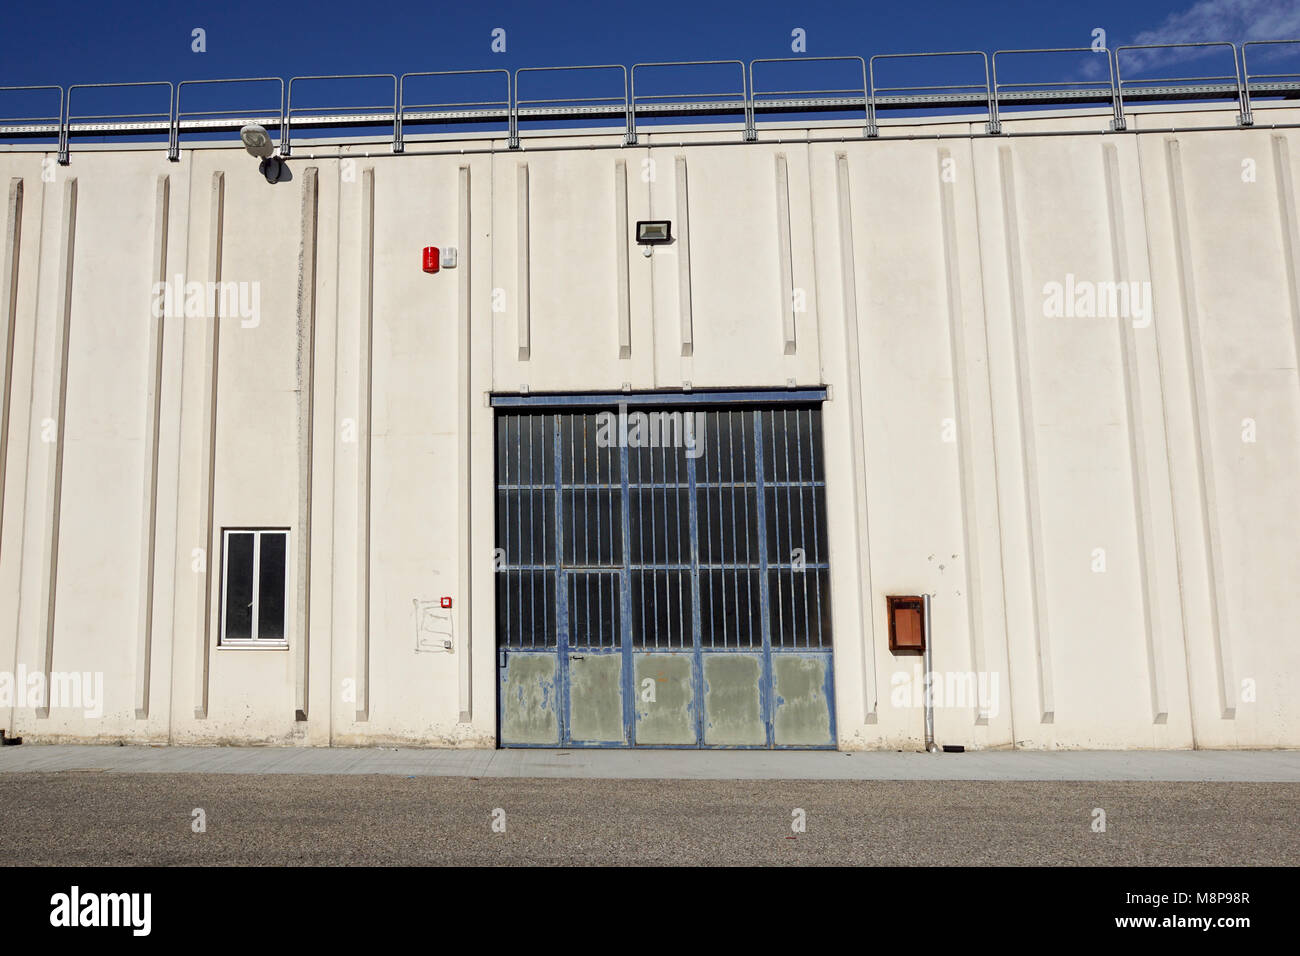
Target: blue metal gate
x: 662, y: 575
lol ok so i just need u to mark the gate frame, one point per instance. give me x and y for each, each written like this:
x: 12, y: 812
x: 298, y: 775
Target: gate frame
x: 752, y: 399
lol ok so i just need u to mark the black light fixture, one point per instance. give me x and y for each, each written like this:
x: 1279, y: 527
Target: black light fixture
x: 654, y: 232
x: 258, y: 143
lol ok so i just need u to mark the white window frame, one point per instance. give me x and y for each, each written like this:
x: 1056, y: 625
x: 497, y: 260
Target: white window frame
x: 254, y: 641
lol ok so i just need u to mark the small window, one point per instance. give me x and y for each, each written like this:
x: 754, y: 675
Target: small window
x: 254, y: 574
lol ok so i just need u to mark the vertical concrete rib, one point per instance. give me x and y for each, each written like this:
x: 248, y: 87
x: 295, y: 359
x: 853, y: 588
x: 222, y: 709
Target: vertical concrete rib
x: 208, y: 465
x: 306, y: 371
x: 1028, y: 443
x: 58, y: 404
x: 524, y: 275
x: 365, y: 417
x: 1290, y: 232
x: 1217, y: 593
x: 466, y: 549
x: 684, y: 261
x: 858, y: 436
x: 8, y: 323
x: 621, y: 249
x: 784, y: 264
x: 1143, y: 508
x: 965, y: 433
x: 153, y: 415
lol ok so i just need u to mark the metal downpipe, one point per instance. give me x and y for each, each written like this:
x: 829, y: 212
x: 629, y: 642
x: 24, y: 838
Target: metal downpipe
x: 930, y: 745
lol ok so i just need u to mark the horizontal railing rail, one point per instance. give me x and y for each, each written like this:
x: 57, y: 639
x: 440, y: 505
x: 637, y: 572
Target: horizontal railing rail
x: 122, y: 123
x: 455, y: 111
x: 940, y: 90
x: 1246, y: 77
x: 809, y: 100
x: 32, y: 125
x: 1047, y: 88
x: 559, y: 107
x: 366, y: 114
x: 1173, y: 85
x: 668, y: 104
x: 987, y: 87
x: 204, y: 118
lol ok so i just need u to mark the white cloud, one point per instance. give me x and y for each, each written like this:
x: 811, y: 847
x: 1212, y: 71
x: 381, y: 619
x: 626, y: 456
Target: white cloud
x: 1211, y: 20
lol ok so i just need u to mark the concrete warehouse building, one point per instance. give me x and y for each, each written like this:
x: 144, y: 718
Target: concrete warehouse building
x: 652, y: 421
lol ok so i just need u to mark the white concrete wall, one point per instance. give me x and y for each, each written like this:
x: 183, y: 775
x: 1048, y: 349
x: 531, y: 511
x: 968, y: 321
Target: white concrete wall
x: 1004, y: 453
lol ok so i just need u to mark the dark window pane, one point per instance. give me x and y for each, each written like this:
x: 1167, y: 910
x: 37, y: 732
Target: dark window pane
x: 239, y: 587
x: 661, y: 605
x: 724, y: 527
x: 539, y: 602
x: 506, y: 634
x: 532, y: 449
x: 546, y: 450
x: 503, y: 451
x: 270, y: 589
x: 507, y: 536
x: 594, y: 618
x: 821, y: 608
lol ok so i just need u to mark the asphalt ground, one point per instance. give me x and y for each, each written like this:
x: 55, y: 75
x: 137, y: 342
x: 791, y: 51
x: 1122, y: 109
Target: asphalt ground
x: 88, y: 818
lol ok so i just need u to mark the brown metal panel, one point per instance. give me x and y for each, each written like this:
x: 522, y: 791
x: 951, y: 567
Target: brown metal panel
x: 906, y: 623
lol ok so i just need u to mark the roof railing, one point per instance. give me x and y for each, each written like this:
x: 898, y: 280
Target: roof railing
x: 35, y: 124
x: 123, y: 128
x: 625, y: 104
x: 711, y: 103
x: 1246, y: 77
x: 1046, y: 90
x: 200, y: 117
x: 800, y: 100
x: 364, y: 115
x: 1172, y: 86
x: 991, y: 126
x: 464, y: 111
x: 543, y: 107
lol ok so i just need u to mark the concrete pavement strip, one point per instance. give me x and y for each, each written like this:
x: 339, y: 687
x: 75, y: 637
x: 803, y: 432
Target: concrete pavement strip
x: 1259, y: 766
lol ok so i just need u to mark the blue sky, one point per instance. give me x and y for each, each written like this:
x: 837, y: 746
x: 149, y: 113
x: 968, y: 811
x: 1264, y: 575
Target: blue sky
x: 76, y: 41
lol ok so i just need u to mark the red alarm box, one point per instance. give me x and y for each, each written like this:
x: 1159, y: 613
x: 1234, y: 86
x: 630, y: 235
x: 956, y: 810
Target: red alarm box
x: 430, y: 258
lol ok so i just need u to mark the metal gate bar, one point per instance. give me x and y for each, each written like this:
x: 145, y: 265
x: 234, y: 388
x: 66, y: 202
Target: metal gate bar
x: 764, y: 591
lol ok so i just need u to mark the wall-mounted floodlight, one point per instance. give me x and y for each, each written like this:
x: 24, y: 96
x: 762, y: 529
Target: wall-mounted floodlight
x: 258, y: 143
x: 654, y: 232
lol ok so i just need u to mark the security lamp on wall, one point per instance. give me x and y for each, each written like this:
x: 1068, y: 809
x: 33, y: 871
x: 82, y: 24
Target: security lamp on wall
x: 654, y: 232
x: 258, y: 143
x: 651, y: 233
